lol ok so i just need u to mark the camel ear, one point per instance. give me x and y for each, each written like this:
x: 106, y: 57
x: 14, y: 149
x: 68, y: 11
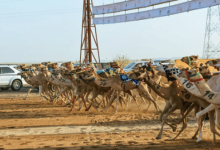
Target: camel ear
x: 197, y: 57
x: 201, y: 64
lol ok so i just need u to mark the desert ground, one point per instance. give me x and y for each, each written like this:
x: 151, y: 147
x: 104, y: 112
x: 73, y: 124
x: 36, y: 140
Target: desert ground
x: 33, y: 124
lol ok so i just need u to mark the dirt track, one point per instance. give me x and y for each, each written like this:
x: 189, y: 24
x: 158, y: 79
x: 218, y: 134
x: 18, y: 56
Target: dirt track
x: 32, y: 113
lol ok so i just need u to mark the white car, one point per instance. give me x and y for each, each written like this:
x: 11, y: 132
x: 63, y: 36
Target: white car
x: 9, y: 78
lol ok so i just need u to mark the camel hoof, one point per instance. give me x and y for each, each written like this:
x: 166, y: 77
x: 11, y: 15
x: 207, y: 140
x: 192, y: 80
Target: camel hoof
x: 158, y: 137
x: 174, y: 128
x: 194, y: 137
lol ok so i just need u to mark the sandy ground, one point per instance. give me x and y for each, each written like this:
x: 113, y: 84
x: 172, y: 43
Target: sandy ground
x: 32, y: 113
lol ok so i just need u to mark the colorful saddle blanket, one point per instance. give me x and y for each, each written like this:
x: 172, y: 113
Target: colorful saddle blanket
x: 100, y: 71
x: 125, y: 78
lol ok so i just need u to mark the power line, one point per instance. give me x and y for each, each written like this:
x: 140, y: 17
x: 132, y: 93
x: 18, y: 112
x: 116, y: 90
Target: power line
x: 39, y: 14
x: 5, y: 1
x: 33, y: 12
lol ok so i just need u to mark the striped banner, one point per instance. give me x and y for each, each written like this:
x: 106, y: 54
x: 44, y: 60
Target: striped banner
x: 127, y: 5
x: 160, y: 12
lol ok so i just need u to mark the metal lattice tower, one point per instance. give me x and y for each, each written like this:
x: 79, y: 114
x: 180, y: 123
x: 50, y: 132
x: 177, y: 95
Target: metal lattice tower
x: 211, y: 47
x: 89, y: 39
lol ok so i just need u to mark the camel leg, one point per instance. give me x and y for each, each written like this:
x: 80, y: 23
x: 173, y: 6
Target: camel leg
x: 147, y: 94
x: 184, y: 111
x: 131, y: 94
x: 173, y: 108
x: 217, y: 118
x: 199, y: 117
x: 212, y: 125
x: 110, y: 101
x: 63, y: 90
x: 116, y: 108
x: 187, y: 112
x: 82, y: 97
x: 141, y: 95
x: 74, y: 100
x: 30, y: 91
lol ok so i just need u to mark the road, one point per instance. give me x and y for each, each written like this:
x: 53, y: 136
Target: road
x: 24, y: 90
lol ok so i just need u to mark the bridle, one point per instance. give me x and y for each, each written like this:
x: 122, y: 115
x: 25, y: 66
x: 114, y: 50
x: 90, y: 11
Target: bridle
x: 191, y: 61
x: 193, y: 75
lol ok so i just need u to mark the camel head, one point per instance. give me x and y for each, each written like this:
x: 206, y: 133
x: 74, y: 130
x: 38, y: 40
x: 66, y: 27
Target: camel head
x: 137, y: 75
x: 46, y: 63
x: 205, y: 69
x: 22, y: 66
x: 71, y: 74
x: 185, y: 72
x: 213, y: 62
x: 91, y: 66
x: 38, y: 66
x: 90, y: 73
x: 68, y: 65
x: 32, y: 67
x: 44, y: 69
x: 63, y: 71
x: 192, y: 61
x: 54, y: 65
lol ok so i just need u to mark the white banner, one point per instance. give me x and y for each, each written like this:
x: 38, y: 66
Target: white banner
x: 160, y: 12
x: 127, y: 5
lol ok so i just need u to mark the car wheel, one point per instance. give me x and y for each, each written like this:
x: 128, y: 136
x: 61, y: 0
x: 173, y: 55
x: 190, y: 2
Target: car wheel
x: 4, y: 89
x: 16, y: 85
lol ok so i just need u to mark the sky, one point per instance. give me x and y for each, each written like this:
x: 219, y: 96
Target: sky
x: 50, y: 30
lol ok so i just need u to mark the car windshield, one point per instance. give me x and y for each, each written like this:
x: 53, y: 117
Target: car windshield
x: 16, y: 67
x: 129, y: 66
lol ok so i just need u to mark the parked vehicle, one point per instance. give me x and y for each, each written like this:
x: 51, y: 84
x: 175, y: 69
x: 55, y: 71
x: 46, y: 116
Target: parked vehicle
x: 133, y: 65
x: 104, y: 65
x: 9, y: 78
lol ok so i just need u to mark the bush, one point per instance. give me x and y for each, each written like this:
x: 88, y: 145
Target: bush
x: 123, y: 60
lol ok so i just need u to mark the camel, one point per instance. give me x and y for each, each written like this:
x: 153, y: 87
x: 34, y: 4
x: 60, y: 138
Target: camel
x: 208, y: 94
x: 118, y: 86
x: 57, y: 80
x: 172, y: 99
x: 198, y: 99
x: 75, y: 75
x: 36, y: 81
x: 191, y: 98
x: 213, y: 62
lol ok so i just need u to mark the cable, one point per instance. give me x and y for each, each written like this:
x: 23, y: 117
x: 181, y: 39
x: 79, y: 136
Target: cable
x: 12, y: 1
x: 41, y: 11
x: 39, y: 14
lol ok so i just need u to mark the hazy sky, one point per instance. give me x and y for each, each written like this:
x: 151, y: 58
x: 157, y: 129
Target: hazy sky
x: 50, y: 30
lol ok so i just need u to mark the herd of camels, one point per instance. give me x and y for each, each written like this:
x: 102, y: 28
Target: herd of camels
x: 183, y: 89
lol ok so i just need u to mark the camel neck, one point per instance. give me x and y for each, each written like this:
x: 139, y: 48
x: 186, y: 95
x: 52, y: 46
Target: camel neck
x: 160, y: 90
x: 205, y: 91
